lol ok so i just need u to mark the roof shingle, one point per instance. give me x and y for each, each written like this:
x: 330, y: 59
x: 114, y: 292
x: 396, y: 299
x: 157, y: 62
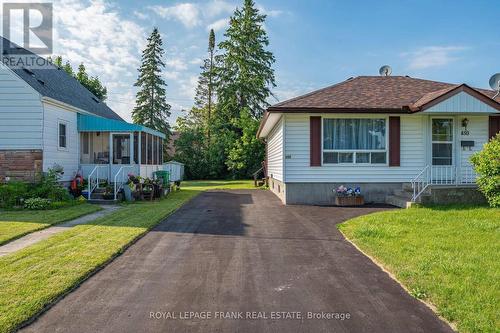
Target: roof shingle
x: 372, y: 93
x: 55, y: 83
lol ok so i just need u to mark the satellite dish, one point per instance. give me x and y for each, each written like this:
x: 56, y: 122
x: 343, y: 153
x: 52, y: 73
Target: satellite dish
x: 495, y: 83
x: 385, y: 70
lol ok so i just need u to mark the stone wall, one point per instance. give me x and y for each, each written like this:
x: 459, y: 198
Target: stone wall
x: 21, y: 165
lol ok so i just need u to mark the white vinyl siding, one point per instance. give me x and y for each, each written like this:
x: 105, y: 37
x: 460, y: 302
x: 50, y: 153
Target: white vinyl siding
x: 67, y: 157
x: 21, y: 113
x: 275, y: 152
x: 478, y: 132
x: 461, y: 102
x: 297, y: 168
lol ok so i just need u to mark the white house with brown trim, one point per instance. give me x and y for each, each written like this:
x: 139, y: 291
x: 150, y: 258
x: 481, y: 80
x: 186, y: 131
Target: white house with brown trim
x: 397, y: 138
x: 48, y: 118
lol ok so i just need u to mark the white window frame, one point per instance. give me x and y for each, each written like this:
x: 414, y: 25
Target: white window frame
x: 454, y: 135
x: 66, y: 127
x: 354, y: 151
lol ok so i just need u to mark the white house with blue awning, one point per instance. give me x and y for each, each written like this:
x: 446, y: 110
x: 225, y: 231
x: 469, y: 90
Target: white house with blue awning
x: 48, y: 118
x: 108, y: 146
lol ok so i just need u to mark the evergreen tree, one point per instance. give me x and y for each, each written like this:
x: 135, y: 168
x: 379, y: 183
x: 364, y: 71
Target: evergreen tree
x: 151, y: 108
x: 246, y: 76
x: 93, y: 84
x: 205, y: 91
x: 68, y: 69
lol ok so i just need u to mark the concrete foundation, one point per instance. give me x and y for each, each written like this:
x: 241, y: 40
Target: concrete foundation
x: 23, y: 165
x: 324, y: 193
x: 278, y: 188
x: 444, y: 195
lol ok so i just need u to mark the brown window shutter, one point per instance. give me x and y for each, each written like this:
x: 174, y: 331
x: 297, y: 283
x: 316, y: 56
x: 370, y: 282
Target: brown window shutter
x: 494, y: 126
x: 394, y: 141
x: 315, y: 140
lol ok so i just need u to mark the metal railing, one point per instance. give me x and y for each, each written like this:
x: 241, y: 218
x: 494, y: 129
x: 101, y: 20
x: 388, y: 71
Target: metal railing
x: 94, y: 177
x: 120, y: 179
x: 420, y: 182
x: 442, y: 175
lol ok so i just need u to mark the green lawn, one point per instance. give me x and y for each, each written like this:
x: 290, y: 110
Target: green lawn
x: 448, y: 256
x: 15, y: 224
x: 34, y: 277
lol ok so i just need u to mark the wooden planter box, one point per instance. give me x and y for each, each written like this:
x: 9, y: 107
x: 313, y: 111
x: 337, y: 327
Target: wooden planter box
x: 349, y: 201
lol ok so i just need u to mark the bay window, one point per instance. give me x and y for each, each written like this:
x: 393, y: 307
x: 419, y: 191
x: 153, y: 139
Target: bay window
x: 354, y: 141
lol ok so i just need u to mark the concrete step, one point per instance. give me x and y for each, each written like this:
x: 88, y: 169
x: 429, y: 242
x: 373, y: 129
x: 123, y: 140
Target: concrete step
x: 103, y: 202
x: 398, y: 201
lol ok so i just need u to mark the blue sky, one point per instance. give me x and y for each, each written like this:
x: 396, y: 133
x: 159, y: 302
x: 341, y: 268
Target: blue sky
x: 316, y: 43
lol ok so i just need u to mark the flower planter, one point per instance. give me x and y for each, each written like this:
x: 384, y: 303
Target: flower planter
x: 350, y: 201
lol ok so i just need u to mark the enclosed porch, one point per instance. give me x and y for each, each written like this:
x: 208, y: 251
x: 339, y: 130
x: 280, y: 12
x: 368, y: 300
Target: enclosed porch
x: 111, y: 149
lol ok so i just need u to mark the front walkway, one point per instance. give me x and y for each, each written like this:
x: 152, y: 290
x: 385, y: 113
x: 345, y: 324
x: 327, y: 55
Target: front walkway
x: 227, y: 253
x: 37, y: 236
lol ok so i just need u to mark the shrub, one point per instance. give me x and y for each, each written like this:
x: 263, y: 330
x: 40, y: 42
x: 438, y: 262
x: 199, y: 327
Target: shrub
x: 50, y: 188
x: 487, y: 166
x: 13, y: 194
x: 36, y: 203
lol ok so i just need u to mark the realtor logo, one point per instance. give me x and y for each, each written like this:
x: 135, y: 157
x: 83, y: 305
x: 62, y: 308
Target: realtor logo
x: 29, y: 25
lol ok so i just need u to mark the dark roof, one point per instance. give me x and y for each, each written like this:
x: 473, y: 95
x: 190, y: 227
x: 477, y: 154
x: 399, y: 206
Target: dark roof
x: 55, y: 83
x: 372, y: 93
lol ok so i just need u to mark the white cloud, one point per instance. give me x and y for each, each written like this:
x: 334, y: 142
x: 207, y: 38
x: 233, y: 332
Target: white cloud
x: 176, y: 63
x: 93, y: 32
x: 186, y: 13
x: 171, y: 75
x: 196, y: 61
x: 219, y: 24
x: 218, y: 7
x: 270, y: 12
x: 140, y: 15
x: 433, y: 56
x: 188, y: 86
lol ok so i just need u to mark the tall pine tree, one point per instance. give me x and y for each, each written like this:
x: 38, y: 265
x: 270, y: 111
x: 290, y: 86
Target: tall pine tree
x: 202, y: 112
x: 151, y: 108
x: 246, y: 77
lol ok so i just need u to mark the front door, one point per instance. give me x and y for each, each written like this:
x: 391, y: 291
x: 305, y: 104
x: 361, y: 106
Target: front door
x: 442, y: 150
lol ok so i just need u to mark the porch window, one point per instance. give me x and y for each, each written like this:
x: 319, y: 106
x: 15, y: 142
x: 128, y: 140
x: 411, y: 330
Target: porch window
x: 155, y: 150
x: 143, y: 148
x: 85, y: 142
x: 150, y: 149
x: 136, y: 147
x: 161, y: 151
x: 354, y: 141
x: 121, y: 149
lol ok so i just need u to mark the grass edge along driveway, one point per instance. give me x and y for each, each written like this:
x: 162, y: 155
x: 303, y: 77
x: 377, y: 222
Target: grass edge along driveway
x: 35, y: 277
x: 447, y: 256
x: 16, y: 224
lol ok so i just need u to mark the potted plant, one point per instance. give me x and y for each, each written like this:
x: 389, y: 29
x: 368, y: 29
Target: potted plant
x: 129, y: 188
x: 108, y: 193
x: 348, y: 197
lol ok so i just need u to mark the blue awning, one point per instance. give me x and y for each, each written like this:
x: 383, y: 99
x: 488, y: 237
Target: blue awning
x: 88, y: 123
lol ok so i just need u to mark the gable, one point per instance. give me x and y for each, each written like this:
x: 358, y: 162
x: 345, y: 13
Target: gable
x: 21, y: 113
x: 461, y: 102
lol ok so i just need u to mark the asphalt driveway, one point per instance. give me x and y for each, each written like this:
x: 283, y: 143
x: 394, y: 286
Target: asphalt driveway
x: 240, y: 261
